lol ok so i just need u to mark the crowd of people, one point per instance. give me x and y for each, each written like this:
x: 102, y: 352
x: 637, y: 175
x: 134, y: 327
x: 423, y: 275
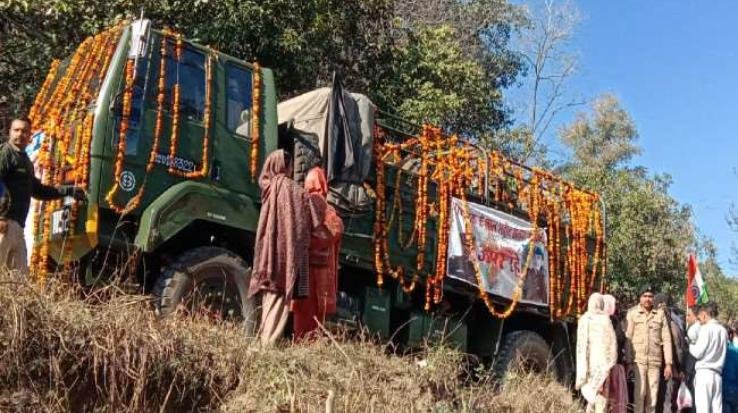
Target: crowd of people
x: 656, y: 359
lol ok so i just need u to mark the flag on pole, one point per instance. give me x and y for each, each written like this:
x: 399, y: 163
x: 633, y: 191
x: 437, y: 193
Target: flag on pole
x: 696, y: 287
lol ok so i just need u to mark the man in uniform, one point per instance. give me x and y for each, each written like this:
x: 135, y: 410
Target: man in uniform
x: 648, y: 350
x: 16, y: 172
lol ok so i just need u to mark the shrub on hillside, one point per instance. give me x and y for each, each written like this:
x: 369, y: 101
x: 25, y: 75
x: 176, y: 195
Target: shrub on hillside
x: 61, y: 353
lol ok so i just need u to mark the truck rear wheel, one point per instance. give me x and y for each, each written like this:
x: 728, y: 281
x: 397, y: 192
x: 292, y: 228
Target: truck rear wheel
x: 211, y: 280
x: 523, y: 350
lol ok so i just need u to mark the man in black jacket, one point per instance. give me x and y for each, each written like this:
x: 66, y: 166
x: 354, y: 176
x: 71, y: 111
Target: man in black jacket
x: 669, y: 388
x: 16, y: 173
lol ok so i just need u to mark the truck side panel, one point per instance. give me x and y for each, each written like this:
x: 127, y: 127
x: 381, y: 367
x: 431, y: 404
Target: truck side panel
x: 187, y: 202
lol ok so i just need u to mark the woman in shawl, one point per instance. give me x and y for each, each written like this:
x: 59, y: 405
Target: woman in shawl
x: 617, y: 386
x: 287, y: 217
x: 596, y: 354
x: 325, y: 242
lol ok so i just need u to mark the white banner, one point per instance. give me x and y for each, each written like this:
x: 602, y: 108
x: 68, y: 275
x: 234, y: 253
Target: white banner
x: 501, y: 243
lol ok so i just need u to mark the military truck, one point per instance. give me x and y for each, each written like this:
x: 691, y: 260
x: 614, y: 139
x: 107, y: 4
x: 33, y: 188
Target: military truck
x: 168, y: 136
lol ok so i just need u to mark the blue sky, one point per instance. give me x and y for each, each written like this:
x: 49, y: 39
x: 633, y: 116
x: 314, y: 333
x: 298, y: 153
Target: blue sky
x: 674, y: 67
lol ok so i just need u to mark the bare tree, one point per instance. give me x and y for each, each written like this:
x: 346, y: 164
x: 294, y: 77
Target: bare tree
x: 544, y: 46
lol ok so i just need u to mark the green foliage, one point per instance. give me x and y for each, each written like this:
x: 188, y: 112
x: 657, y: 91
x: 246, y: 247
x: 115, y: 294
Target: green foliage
x: 604, y: 140
x: 434, y: 82
x: 450, y: 71
x: 648, y: 231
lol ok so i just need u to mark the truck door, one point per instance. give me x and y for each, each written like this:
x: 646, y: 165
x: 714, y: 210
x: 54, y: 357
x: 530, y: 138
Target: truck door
x: 233, y: 145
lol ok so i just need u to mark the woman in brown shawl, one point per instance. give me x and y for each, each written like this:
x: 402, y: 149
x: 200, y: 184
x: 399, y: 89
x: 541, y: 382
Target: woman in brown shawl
x: 325, y: 242
x: 282, y: 238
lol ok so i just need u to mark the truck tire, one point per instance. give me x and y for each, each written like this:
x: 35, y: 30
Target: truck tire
x: 522, y: 350
x: 211, y: 279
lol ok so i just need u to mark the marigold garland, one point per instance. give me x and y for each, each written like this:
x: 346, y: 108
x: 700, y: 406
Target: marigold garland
x: 381, y: 247
x: 204, y: 163
x: 455, y: 169
x: 43, y: 93
x: 62, y: 113
x: 255, y: 122
x: 134, y: 202
x: 122, y: 133
x: 175, y: 111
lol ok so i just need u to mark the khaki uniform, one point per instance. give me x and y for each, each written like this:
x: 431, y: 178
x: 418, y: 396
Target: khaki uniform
x: 649, y: 347
x: 13, y: 248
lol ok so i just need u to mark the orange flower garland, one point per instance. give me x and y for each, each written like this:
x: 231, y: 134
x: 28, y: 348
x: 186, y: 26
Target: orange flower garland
x: 176, y: 95
x: 203, y: 171
x: 255, y: 123
x: 43, y: 93
x: 381, y: 247
x: 457, y: 169
x: 160, y: 98
x: 123, y: 131
x: 135, y: 201
x: 62, y: 114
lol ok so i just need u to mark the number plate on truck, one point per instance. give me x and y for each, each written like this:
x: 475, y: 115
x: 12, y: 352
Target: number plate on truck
x: 60, y: 221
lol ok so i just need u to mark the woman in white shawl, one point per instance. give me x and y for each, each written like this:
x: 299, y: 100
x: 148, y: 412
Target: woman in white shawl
x: 596, y: 353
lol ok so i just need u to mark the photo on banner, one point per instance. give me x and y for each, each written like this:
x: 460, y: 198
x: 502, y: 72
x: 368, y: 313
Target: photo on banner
x: 501, y: 245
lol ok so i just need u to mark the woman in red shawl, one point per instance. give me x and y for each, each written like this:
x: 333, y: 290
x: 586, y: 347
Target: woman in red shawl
x: 325, y: 243
x: 287, y: 218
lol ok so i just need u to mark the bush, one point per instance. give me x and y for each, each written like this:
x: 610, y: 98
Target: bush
x: 62, y: 353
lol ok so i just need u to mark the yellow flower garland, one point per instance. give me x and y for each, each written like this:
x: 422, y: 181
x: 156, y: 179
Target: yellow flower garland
x: 455, y: 169
x: 255, y: 122
x: 63, y: 113
x: 122, y: 133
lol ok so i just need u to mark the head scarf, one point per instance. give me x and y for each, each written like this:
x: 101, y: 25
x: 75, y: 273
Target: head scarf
x: 275, y: 166
x: 611, y: 304
x: 596, y: 304
x: 283, y: 232
x: 596, y: 348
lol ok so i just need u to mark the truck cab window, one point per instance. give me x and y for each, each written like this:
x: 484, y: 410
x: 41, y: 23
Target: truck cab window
x: 191, y: 74
x: 238, y: 95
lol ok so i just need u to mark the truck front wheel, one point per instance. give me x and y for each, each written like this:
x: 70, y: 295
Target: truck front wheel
x: 208, y: 280
x: 523, y: 350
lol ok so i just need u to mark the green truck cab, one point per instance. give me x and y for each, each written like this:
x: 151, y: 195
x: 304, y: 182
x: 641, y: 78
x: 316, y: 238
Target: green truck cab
x: 180, y: 224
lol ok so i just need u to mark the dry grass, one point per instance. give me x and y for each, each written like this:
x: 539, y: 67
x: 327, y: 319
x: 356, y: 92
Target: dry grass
x: 60, y: 353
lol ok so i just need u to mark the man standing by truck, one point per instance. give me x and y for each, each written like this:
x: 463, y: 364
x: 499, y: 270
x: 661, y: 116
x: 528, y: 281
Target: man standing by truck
x: 16, y: 172
x: 648, y: 350
x: 668, y: 392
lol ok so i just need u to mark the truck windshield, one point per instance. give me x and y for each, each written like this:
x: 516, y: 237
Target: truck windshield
x: 189, y: 71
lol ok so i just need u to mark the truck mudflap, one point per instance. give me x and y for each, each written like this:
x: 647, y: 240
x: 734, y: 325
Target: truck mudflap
x: 189, y: 201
